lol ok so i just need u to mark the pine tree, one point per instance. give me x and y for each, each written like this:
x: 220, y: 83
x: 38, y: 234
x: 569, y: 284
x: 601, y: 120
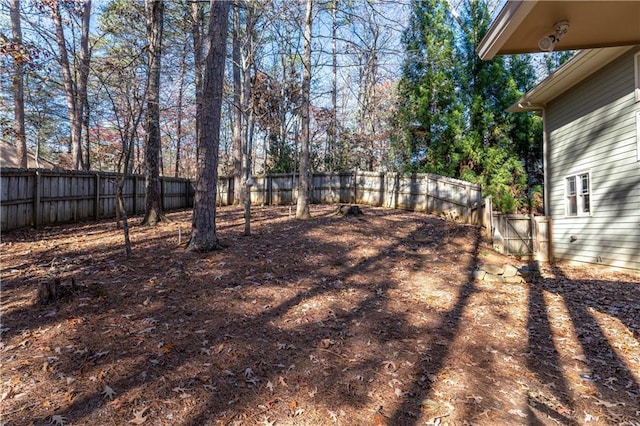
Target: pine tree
x: 203, y: 229
x: 155, y: 15
x: 428, y: 112
x: 489, y: 156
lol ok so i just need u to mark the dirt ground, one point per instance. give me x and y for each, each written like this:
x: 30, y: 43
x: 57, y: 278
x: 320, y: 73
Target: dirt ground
x: 367, y: 320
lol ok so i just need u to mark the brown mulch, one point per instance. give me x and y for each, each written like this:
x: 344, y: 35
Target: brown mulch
x: 363, y: 320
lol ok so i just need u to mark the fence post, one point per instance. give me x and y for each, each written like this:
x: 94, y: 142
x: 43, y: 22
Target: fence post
x: 162, y: 190
x: 426, y: 194
x: 135, y: 195
x: 355, y: 187
x: 468, y: 213
x: 396, y: 189
x: 96, y: 196
x: 487, y: 217
x: 36, y: 200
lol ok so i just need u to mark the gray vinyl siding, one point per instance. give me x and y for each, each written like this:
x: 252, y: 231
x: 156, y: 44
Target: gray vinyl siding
x: 592, y: 128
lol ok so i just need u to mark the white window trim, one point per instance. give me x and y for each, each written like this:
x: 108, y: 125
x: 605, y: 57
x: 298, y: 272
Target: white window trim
x: 579, y: 203
x: 636, y: 66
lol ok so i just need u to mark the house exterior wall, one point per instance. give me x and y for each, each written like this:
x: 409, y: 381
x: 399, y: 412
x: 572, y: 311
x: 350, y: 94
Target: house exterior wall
x: 592, y: 129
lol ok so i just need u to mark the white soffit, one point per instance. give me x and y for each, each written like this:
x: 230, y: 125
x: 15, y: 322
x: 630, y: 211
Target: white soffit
x: 577, y: 69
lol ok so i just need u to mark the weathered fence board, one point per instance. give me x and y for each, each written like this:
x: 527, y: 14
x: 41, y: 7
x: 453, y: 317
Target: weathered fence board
x: 46, y: 197
x: 514, y: 234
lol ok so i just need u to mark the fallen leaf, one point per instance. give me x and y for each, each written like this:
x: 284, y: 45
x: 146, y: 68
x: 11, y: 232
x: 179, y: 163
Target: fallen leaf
x: 608, y: 404
x: 139, y: 417
x: 107, y: 392
x: 267, y: 422
x: 580, y: 358
x: 589, y: 418
x: 517, y: 412
x: 389, y: 365
x: 168, y: 348
x: 58, y: 420
x: 430, y: 404
x: 379, y: 419
x: 269, y: 385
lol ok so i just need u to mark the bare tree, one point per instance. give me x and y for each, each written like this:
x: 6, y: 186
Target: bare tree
x: 75, y: 87
x: 237, y: 107
x: 302, y: 207
x: 180, y: 109
x: 127, y: 106
x: 197, y: 18
x: 153, y: 214
x: 203, y: 225
x: 18, y: 87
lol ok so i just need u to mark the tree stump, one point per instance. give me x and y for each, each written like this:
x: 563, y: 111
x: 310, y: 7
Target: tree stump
x: 53, y: 290
x: 49, y: 291
x: 349, y: 210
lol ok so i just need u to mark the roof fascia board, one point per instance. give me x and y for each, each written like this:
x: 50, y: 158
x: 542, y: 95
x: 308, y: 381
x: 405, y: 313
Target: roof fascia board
x: 505, y: 24
x: 578, y: 68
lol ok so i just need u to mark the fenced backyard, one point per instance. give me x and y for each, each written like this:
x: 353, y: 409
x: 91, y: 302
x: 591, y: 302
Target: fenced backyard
x: 33, y: 198
x: 368, y: 320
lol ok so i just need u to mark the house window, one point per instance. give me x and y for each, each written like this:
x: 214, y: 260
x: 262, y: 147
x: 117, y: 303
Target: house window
x: 578, y: 195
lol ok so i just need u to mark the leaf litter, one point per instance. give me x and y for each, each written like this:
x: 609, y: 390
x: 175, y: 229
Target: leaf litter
x: 360, y: 321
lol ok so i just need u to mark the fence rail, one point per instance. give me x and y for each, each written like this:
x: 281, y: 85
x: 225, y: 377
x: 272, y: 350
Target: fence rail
x: 40, y: 197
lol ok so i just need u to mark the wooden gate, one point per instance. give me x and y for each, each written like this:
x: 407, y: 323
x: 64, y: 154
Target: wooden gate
x: 514, y: 234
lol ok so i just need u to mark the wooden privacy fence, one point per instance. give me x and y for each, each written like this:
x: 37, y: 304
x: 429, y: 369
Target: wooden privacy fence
x: 40, y: 197
x: 418, y: 192
x: 46, y: 197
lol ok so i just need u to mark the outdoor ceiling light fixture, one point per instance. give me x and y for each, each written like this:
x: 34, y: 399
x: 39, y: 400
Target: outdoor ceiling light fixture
x: 546, y: 44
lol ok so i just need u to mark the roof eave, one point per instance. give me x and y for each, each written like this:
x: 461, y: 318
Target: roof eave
x: 575, y: 70
x: 507, y: 21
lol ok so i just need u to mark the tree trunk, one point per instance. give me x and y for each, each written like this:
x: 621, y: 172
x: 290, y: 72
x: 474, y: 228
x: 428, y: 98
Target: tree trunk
x: 183, y: 71
x: 75, y: 90
x: 333, y: 135
x: 86, y: 115
x: 302, y: 207
x: 203, y: 225
x: 237, y: 108
x: 248, y: 123
x: 197, y: 18
x: 18, y: 88
x: 82, y: 111
x: 153, y: 208
x: 122, y: 212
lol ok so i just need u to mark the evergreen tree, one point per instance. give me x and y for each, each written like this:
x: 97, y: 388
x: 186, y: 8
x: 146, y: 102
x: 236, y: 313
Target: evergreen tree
x: 489, y: 154
x: 526, y: 130
x: 428, y: 113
